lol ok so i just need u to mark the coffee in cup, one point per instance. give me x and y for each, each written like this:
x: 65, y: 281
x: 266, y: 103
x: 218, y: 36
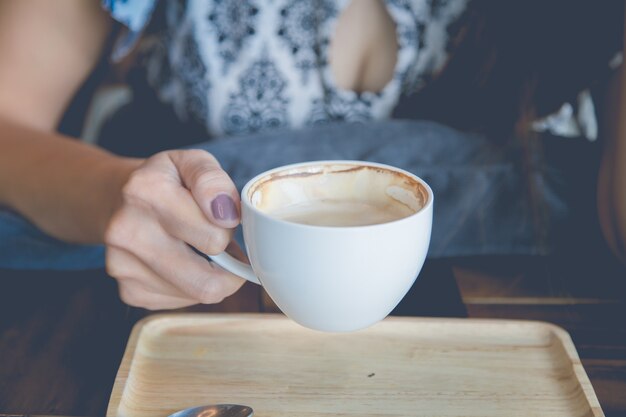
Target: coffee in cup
x: 336, y: 244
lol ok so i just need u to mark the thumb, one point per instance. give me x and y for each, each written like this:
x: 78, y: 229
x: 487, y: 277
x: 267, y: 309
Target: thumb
x: 211, y: 187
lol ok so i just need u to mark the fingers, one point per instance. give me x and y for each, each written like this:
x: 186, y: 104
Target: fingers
x: 133, y: 294
x: 174, y: 200
x: 158, y: 190
x: 211, y: 187
x: 169, y: 260
x: 141, y: 287
x: 199, y: 279
x: 125, y: 266
x: 185, y: 220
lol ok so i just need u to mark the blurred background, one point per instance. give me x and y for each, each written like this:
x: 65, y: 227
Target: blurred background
x: 527, y: 83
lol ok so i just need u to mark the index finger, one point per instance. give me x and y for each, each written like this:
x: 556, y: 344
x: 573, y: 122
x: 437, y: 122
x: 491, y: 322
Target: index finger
x: 212, y: 189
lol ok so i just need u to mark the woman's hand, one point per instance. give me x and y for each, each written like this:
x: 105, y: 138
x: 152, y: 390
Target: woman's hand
x: 70, y: 190
x: 172, y: 201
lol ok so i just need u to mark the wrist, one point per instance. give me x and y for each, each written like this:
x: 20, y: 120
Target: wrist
x: 114, y: 175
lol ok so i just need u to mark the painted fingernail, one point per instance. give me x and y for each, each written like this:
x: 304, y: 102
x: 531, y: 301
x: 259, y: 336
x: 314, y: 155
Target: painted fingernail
x: 224, y: 208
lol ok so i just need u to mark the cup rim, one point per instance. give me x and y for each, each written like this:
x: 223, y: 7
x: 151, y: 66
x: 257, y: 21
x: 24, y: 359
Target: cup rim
x: 245, y: 200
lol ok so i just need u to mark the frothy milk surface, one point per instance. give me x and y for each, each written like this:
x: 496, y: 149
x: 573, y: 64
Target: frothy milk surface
x: 338, y: 213
x: 338, y: 195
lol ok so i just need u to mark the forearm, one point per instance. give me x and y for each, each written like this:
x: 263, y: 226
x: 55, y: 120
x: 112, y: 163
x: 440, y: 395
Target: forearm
x: 66, y: 188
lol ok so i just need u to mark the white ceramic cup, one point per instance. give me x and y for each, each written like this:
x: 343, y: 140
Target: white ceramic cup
x: 333, y: 278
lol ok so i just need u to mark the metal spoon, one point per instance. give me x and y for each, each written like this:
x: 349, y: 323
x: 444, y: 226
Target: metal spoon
x: 218, y: 410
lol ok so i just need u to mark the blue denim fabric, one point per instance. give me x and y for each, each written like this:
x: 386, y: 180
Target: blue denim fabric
x: 480, y: 202
x: 480, y: 205
x: 23, y: 246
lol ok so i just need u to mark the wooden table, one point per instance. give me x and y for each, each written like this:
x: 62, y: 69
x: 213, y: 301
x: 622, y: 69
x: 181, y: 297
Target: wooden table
x: 62, y: 334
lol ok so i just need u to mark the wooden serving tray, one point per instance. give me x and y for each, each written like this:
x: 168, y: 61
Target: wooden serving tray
x: 399, y: 367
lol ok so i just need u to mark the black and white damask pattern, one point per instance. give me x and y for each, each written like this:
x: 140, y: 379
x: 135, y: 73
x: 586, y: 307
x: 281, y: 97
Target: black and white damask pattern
x: 240, y: 66
x: 260, y: 102
x: 153, y: 58
x: 174, y: 66
x: 300, y: 23
x: 411, y: 32
x: 192, y: 73
x: 437, y: 7
x: 340, y: 107
x: 234, y: 22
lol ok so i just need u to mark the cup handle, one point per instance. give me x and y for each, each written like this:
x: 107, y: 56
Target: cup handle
x: 235, y: 266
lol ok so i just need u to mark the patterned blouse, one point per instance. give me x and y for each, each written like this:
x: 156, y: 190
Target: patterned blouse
x: 238, y: 67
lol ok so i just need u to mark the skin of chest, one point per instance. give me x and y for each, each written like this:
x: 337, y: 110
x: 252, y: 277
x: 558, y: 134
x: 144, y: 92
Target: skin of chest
x: 363, y: 49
